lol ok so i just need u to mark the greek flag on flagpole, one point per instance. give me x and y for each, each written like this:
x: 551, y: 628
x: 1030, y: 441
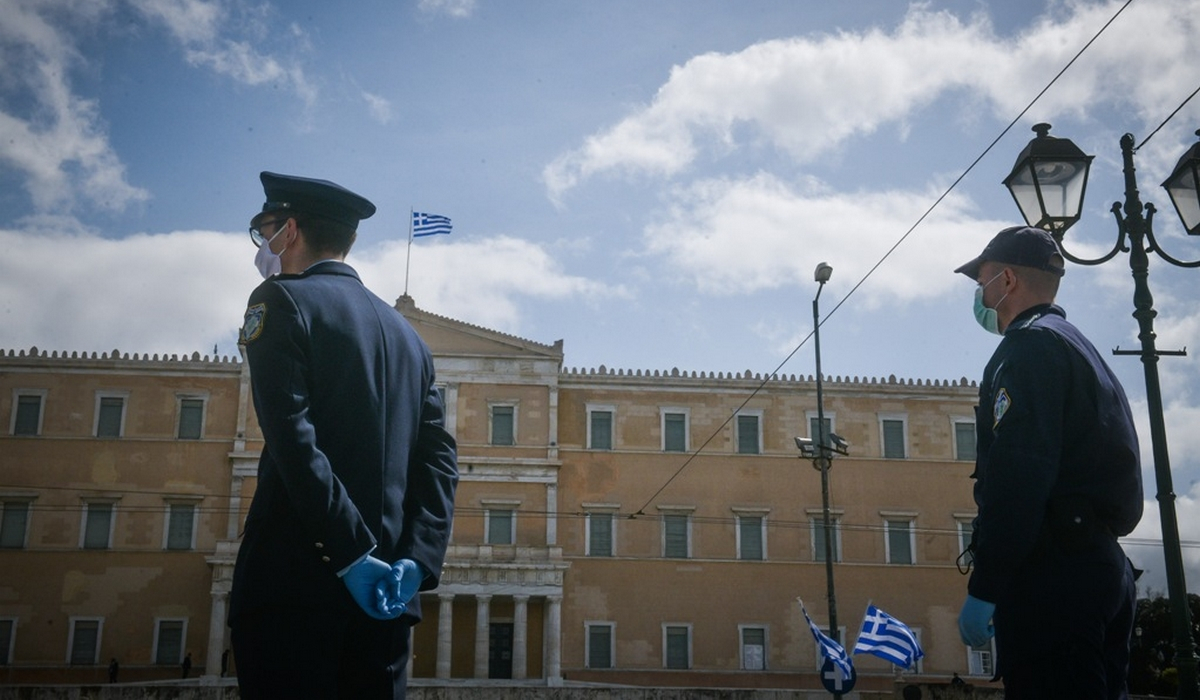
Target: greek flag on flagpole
x: 829, y: 649
x: 888, y: 638
x: 429, y: 224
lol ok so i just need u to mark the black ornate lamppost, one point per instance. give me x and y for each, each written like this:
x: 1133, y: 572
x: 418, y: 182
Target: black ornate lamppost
x: 821, y: 449
x: 1048, y: 184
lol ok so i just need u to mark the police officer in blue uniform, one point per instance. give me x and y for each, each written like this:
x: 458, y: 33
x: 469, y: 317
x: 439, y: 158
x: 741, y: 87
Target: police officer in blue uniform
x: 352, y: 511
x: 1057, y: 480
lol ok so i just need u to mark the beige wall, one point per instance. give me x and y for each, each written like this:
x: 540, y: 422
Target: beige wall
x: 552, y: 480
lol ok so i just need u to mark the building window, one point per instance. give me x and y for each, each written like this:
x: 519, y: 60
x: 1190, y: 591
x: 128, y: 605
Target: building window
x: 600, y: 428
x: 599, y: 533
x: 817, y: 521
x: 899, y: 540
x: 181, y: 526
x: 964, y: 440
x: 675, y: 431
x: 981, y: 661
x: 110, y: 415
x: 168, y: 641
x: 27, y: 413
x: 601, y: 644
x: 8, y: 636
x: 754, y: 648
x: 191, y: 418
x: 751, y: 536
x: 504, y: 424
x: 677, y: 646
x: 501, y: 525
x: 749, y: 434
x: 893, y: 437
x: 14, y: 524
x: 97, y: 525
x: 83, y: 648
x: 676, y: 544
x: 813, y: 431
x: 967, y: 557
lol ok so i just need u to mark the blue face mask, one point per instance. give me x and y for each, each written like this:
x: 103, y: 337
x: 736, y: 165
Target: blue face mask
x: 986, y: 317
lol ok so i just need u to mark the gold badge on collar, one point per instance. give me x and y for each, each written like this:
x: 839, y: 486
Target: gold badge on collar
x: 252, y: 325
x: 1003, y: 403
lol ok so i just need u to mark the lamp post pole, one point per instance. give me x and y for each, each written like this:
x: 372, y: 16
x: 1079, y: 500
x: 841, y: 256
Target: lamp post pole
x: 1048, y: 184
x: 1137, y: 228
x: 824, y: 461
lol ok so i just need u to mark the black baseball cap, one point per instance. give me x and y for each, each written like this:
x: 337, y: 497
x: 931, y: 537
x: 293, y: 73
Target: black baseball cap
x: 1025, y: 246
x: 305, y: 195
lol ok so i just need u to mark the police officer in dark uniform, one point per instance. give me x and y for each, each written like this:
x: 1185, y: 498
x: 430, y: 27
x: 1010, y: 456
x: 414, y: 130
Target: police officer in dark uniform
x: 352, y: 511
x: 1057, y: 480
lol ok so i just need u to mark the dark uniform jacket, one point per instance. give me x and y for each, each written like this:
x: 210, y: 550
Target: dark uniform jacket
x: 1057, y: 451
x: 357, y: 458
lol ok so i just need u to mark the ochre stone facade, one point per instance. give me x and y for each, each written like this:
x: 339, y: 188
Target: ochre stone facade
x: 626, y: 527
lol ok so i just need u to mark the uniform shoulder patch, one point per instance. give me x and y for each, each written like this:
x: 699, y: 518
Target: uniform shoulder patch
x: 1003, y: 403
x: 252, y: 324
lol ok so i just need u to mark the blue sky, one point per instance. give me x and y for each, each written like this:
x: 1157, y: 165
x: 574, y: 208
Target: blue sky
x: 653, y: 183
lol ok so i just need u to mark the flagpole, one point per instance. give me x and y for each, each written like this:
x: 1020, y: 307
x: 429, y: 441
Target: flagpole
x: 408, y: 257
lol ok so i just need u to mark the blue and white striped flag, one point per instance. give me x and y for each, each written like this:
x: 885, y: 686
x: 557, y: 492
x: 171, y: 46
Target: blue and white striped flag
x: 888, y: 638
x: 429, y: 224
x: 829, y: 649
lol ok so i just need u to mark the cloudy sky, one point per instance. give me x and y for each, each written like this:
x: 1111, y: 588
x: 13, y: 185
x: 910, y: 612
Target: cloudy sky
x: 653, y: 183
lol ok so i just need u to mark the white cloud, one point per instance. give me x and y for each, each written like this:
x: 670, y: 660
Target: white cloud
x: 177, y: 292
x: 481, y: 281
x: 207, y: 34
x: 808, y: 95
x: 190, y: 21
x: 53, y: 137
x: 62, y: 287
x: 459, y: 9
x: 731, y: 236
x: 379, y: 107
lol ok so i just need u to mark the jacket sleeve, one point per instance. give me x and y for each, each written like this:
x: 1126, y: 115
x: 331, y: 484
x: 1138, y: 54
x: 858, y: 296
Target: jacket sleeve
x: 1022, y: 463
x: 429, y: 496
x: 280, y: 373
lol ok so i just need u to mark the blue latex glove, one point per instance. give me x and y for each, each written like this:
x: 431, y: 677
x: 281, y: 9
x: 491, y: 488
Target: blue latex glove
x: 410, y: 574
x: 368, y: 582
x: 975, y: 621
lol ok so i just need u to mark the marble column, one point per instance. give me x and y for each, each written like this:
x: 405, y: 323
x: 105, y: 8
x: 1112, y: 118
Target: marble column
x: 520, y: 636
x: 482, y: 615
x: 216, y: 633
x: 553, y: 640
x: 445, y: 626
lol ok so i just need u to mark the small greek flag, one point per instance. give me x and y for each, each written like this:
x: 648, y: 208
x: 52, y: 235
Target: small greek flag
x: 888, y: 638
x: 829, y: 649
x: 429, y: 224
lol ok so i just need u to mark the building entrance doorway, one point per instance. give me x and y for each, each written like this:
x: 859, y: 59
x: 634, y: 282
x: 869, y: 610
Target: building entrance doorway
x: 500, y: 648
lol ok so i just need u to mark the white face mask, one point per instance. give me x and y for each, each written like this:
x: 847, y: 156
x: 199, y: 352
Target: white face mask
x: 267, y: 261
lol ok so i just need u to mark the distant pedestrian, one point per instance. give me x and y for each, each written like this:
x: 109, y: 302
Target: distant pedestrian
x: 224, y: 663
x: 113, y: 668
x: 187, y: 664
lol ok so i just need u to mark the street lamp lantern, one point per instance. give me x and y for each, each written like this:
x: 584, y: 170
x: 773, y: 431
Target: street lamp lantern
x: 1048, y: 181
x: 1184, y: 188
x: 1048, y: 184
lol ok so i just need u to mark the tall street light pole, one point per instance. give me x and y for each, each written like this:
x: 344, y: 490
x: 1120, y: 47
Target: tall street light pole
x: 1048, y: 184
x: 824, y: 459
x: 821, y: 449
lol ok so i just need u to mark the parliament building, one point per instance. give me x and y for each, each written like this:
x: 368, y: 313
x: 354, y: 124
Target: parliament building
x: 625, y: 527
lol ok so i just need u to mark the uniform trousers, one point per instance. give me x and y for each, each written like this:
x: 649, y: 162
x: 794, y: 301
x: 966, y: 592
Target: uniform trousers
x: 330, y: 654
x: 1063, y: 631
